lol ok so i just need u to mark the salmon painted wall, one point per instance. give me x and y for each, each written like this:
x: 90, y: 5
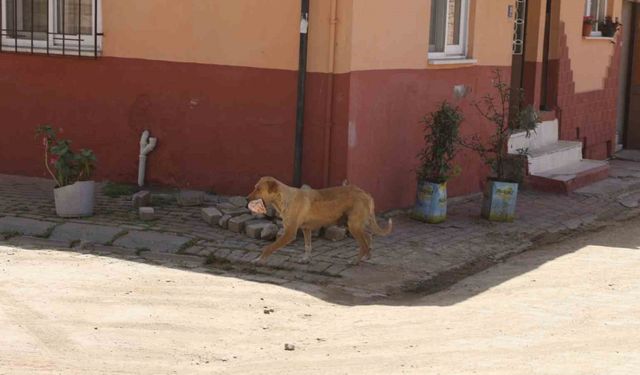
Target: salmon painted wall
x: 584, y: 80
x: 249, y: 33
x: 589, y: 57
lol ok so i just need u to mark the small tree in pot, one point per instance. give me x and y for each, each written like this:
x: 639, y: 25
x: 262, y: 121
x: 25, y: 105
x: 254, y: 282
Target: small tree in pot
x: 74, y: 192
x: 501, y: 191
x: 441, y: 141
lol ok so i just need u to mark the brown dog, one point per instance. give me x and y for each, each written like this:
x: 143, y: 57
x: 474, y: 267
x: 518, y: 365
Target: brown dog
x: 310, y: 209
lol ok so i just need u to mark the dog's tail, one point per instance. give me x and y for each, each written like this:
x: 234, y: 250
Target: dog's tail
x: 373, y: 222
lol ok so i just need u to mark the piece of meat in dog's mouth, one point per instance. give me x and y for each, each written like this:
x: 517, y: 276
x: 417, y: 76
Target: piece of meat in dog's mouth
x: 257, y: 207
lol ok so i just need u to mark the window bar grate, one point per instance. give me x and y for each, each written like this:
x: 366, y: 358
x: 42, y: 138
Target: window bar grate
x: 32, y: 19
x: 79, y: 28
x: 519, y: 27
x: 44, y: 26
x: 1, y: 27
x: 64, y: 27
x: 95, y: 29
x: 48, y: 33
x: 15, y: 26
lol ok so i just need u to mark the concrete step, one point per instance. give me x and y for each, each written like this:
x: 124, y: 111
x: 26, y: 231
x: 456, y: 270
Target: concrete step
x: 553, y: 156
x: 570, y: 177
x: 546, y: 134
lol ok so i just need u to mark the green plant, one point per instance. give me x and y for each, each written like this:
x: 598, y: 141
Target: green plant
x: 505, y: 110
x: 441, y: 138
x: 63, y: 164
x: 589, y: 20
x: 609, y: 27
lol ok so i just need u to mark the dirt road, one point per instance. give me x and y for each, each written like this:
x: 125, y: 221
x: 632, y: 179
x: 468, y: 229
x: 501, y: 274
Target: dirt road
x: 572, y: 308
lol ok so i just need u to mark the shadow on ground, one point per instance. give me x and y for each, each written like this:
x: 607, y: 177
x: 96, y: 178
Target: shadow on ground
x: 345, y: 291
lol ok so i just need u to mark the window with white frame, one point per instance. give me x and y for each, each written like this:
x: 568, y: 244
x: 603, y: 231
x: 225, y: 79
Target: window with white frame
x: 597, y: 10
x: 449, y: 28
x: 52, y: 26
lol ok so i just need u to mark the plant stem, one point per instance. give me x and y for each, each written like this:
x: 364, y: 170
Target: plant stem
x: 46, y: 162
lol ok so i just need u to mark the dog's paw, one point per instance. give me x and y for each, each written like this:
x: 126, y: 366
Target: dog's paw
x: 258, y: 261
x: 305, y: 260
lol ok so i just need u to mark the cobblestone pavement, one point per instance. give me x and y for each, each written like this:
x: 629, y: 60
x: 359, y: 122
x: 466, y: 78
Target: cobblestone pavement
x: 417, y: 257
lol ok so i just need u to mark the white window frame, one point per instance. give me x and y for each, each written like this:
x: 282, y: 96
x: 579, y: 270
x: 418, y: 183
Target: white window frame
x: 57, y: 42
x: 457, y: 51
x: 602, y: 4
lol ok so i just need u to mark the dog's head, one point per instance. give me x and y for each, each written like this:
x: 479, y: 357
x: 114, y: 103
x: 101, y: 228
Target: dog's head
x: 266, y: 189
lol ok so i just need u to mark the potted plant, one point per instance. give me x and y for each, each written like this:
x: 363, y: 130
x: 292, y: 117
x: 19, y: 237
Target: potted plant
x: 441, y: 139
x: 74, y: 192
x: 609, y: 28
x: 587, y: 25
x: 501, y: 190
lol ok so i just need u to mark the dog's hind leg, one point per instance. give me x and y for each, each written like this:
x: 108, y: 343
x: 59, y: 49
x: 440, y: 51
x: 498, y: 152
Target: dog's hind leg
x: 306, y: 258
x: 358, y: 232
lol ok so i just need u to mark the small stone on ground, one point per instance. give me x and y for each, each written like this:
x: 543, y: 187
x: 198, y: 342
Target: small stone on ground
x: 240, y: 202
x: 190, y: 198
x: 237, y: 223
x: 141, y: 199
x: 147, y: 213
x: 211, y: 215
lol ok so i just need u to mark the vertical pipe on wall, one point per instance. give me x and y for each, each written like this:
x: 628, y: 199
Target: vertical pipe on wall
x: 633, y: 41
x: 545, y: 58
x: 330, y: 93
x: 302, y: 77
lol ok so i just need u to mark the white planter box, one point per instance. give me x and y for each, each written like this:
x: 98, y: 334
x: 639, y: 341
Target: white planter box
x: 75, y: 200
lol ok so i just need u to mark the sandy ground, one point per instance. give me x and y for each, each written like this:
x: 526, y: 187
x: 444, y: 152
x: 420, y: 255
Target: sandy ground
x: 572, y: 308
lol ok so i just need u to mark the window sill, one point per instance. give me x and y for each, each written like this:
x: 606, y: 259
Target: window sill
x: 607, y: 38
x: 452, y: 61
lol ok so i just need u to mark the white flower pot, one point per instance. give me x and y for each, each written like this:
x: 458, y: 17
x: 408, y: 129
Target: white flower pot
x: 75, y: 200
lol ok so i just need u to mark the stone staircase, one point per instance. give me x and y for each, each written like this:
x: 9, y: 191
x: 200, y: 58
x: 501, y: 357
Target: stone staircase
x: 555, y: 165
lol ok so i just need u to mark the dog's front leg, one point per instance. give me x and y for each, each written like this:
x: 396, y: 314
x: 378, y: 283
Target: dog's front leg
x: 306, y: 258
x: 286, y: 238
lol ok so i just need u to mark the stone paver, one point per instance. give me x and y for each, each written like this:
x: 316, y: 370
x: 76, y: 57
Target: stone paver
x: 211, y: 215
x: 28, y: 227
x: 98, y: 234
x: 147, y: 213
x: 160, y: 242
x: 141, y: 199
x: 414, y: 254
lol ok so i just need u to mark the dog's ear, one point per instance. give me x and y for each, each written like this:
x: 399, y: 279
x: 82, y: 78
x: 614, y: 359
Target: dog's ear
x: 272, y: 187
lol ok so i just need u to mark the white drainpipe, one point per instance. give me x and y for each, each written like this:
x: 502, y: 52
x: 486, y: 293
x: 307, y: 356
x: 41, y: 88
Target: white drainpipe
x: 146, y: 146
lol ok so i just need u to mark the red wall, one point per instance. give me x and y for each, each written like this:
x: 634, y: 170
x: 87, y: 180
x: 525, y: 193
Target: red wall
x: 385, y: 133
x: 219, y: 127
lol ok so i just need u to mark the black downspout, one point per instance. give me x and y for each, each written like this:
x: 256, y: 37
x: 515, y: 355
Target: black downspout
x: 302, y: 78
x: 544, y: 106
x: 631, y: 62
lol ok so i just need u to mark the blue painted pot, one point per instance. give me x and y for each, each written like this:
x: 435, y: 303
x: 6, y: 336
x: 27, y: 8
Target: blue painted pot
x: 499, y: 203
x: 431, y: 202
